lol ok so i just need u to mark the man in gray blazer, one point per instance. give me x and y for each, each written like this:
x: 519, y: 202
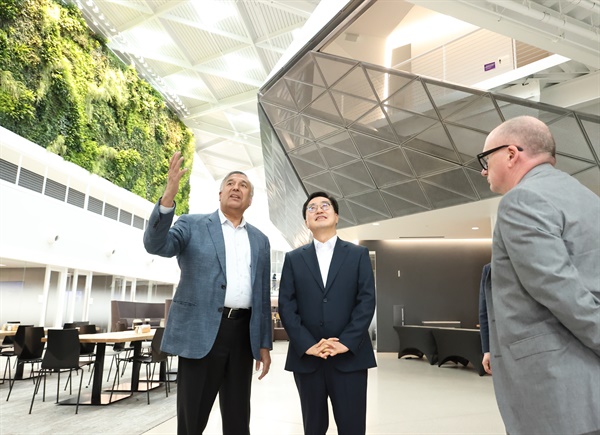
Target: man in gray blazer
x: 220, y: 317
x: 544, y: 301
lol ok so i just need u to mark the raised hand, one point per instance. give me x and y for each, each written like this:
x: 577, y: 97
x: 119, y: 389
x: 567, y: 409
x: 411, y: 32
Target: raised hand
x: 173, y: 178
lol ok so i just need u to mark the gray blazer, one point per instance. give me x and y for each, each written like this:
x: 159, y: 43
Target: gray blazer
x: 544, y: 306
x: 195, y: 314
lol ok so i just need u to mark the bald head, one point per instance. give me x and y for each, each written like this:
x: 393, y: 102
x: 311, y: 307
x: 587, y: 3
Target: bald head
x: 529, y: 133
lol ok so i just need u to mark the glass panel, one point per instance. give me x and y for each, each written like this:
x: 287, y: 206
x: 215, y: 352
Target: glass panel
x: 424, y: 164
x: 481, y: 114
x: 324, y: 108
x: 410, y: 192
x: 368, y: 145
x: 566, y: 132
x: 303, y: 94
x: 356, y: 83
x: 306, y: 71
x: 400, y: 207
x: 449, y: 100
x: 351, y: 107
x: 412, y: 97
x: 386, y: 83
x: 393, y: 159
x: 511, y: 109
x: 333, y: 69
x: 455, y: 181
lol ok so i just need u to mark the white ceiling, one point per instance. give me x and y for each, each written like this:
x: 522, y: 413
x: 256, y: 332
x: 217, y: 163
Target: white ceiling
x: 209, y: 58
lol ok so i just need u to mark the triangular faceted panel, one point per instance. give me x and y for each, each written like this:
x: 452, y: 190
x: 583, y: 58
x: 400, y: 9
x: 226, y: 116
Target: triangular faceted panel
x: 346, y: 218
x: 590, y: 178
x: 468, y: 142
x: 336, y: 158
x: 349, y: 186
x: 449, y: 100
x: 384, y: 176
x: 303, y: 168
x: 569, y: 138
x: 341, y: 142
x: 353, y: 179
x: 411, y: 192
x: 368, y: 207
x: 455, y: 181
x: 368, y: 145
x: 393, y: 159
x: 306, y: 71
x: 356, y: 83
x: 280, y: 94
x: 375, y: 123
x: 407, y: 124
x: 296, y: 125
x: 570, y: 165
x: 322, y: 182
x: 333, y: 69
x: 481, y: 185
x: 303, y: 94
x: 291, y: 141
x: 441, y: 198
x: 481, y: 114
x: 434, y: 141
x: 424, y: 164
x: 592, y: 130
x: 413, y: 98
x: 510, y: 110
x: 351, y: 107
x: 310, y: 154
x: 276, y: 114
x: 324, y: 108
x: 400, y: 207
x: 319, y: 128
x: 387, y: 83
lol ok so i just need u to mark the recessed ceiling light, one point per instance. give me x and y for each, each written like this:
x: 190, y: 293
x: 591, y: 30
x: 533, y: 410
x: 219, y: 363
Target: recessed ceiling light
x: 376, y: 223
x: 474, y: 228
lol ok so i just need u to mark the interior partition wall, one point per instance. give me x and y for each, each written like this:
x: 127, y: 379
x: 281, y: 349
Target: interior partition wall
x: 388, y: 143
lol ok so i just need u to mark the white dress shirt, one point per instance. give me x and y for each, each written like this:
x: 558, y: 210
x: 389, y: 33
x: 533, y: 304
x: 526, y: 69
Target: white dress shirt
x: 237, y: 261
x: 324, y: 255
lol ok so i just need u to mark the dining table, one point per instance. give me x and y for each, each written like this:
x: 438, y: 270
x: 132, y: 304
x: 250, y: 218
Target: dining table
x: 97, y: 395
x: 4, y: 333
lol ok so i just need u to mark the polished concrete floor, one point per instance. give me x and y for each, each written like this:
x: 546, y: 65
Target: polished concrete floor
x: 405, y: 396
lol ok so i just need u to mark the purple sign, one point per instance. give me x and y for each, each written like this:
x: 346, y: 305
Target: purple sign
x: 489, y: 66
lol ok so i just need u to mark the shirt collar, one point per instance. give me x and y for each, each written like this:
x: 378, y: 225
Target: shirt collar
x: 328, y: 245
x: 224, y: 220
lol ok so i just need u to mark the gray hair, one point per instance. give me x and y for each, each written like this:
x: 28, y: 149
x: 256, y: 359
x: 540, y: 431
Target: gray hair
x: 530, y: 133
x: 226, y: 177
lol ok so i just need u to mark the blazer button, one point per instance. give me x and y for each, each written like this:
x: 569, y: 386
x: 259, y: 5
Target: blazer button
x: 223, y: 286
x: 324, y: 299
x: 220, y: 310
x: 321, y: 324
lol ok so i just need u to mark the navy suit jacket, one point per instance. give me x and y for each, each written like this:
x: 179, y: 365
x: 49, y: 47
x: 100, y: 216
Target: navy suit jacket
x: 484, y: 331
x: 196, y: 310
x: 343, y: 308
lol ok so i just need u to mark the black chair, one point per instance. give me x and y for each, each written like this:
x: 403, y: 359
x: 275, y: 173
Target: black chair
x: 18, y: 342
x: 156, y: 356
x: 31, y: 352
x: 118, y: 349
x: 88, y: 350
x: 62, y: 355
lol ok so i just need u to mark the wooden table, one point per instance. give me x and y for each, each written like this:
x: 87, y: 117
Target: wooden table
x: 7, y: 334
x: 98, y: 397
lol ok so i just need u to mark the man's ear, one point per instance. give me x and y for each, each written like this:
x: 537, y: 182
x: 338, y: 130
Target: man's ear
x: 513, y: 156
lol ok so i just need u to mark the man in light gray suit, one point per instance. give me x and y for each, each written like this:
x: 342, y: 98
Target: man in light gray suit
x: 544, y: 301
x: 220, y: 317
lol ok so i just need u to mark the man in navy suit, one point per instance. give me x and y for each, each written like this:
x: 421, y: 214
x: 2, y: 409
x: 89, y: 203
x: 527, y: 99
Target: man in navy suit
x: 326, y: 303
x: 220, y: 317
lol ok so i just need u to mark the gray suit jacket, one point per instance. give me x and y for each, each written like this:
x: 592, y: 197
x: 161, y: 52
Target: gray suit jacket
x: 195, y: 314
x: 544, y: 305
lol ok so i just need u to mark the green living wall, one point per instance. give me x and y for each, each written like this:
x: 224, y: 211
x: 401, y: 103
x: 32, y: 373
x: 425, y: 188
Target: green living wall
x: 62, y: 88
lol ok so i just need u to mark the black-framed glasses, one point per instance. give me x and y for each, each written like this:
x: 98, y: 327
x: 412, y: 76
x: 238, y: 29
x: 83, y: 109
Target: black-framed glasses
x: 312, y: 208
x: 484, y: 156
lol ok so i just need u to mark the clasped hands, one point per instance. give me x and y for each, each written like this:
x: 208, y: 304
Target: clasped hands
x: 327, y: 347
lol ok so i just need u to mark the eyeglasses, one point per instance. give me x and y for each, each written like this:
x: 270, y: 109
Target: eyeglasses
x: 484, y: 156
x: 312, y: 208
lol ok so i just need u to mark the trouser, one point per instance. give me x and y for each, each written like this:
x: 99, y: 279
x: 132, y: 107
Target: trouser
x: 347, y: 392
x: 226, y: 370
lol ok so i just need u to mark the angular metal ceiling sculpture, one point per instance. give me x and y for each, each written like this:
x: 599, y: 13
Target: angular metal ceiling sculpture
x: 388, y: 143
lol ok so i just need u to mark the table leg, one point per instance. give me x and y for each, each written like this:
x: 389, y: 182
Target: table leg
x: 98, y: 374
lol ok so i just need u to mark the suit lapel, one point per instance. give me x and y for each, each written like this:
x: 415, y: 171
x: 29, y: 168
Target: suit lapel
x: 309, y: 254
x: 216, y: 234
x: 253, y: 239
x: 339, y: 254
